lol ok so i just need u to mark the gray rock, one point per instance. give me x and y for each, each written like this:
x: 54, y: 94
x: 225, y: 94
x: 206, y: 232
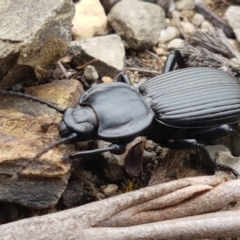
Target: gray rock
x: 198, y: 19
x: 107, y: 50
x: 26, y: 128
x: 126, y: 18
x: 233, y: 17
x: 176, y: 43
x: 222, y: 155
x: 34, y: 35
x: 207, y: 26
x: 91, y: 74
x: 184, y: 4
x: 37, y: 193
x: 167, y: 5
x: 108, y: 4
x: 168, y: 34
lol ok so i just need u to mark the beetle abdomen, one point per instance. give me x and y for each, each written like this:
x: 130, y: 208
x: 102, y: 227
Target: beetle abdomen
x: 194, y: 97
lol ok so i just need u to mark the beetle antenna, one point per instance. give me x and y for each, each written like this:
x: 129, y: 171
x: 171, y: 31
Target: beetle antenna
x: 15, y: 176
x: 35, y: 99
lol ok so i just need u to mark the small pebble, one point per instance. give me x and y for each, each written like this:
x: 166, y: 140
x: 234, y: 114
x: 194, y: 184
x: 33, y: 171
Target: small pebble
x: 207, y: 27
x: 176, y: 43
x: 235, y: 44
x: 168, y: 34
x: 91, y: 74
x: 107, y: 79
x: 158, y: 51
x: 186, y: 27
x: 175, y: 21
x: 198, y: 19
x: 110, y: 189
x: 184, y: 5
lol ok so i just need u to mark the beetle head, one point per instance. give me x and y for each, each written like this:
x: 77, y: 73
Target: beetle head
x: 81, y: 120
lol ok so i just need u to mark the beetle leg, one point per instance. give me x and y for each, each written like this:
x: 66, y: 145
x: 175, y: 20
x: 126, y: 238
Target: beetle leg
x: 173, y: 58
x: 122, y: 77
x: 184, y: 144
x: 219, y: 132
x: 113, y: 148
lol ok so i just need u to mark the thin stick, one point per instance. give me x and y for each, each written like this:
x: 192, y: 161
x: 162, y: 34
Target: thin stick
x: 62, y: 69
x: 86, y: 64
x: 156, y: 56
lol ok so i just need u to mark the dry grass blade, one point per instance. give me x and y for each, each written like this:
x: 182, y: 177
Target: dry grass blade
x: 209, y: 49
x: 215, y: 42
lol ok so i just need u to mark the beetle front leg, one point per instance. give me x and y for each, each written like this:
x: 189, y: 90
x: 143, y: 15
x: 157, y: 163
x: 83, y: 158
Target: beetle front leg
x: 113, y: 148
x: 184, y: 144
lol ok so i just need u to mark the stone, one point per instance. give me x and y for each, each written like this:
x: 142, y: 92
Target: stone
x: 159, y: 51
x: 75, y: 194
x: 33, y: 37
x: 91, y: 74
x: 176, y: 43
x: 27, y: 127
x: 106, y: 79
x: 175, y: 21
x: 126, y: 18
x: 90, y: 20
x: 186, y: 27
x: 207, y: 26
x: 233, y: 17
x: 184, y: 5
x: 222, y: 155
x: 108, y: 4
x: 110, y: 189
x: 108, y: 50
x: 197, y: 19
x: 235, y: 44
x: 167, y: 5
x: 168, y: 34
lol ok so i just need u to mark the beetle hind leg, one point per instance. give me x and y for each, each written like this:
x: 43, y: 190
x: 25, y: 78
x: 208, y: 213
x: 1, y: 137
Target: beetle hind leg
x: 184, y: 144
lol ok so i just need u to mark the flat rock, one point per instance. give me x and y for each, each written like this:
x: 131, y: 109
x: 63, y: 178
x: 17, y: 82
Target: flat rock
x: 27, y: 127
x: 222, y: 155
x: 107, y: 50
x: 138, y: 23
x: 34, y: 35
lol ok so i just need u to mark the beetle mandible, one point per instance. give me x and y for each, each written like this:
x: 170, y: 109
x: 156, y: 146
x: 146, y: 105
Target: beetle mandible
x: 182, y: 109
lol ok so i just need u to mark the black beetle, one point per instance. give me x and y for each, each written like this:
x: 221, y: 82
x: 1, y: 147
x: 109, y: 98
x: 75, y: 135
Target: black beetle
x: 180, y: 109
